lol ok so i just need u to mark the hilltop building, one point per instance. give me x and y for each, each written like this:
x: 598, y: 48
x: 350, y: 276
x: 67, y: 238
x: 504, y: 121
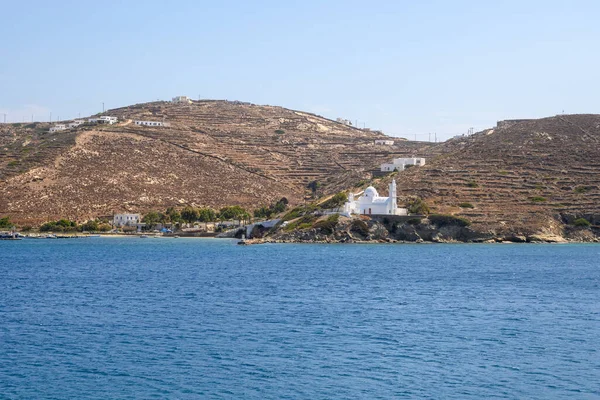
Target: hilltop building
x: 103, y: 120
x: 384, y: 142
x: 152, y: 123
x: 120, y: 220
x: 58, y: 127
x: 344, y: 121
x: 370, y: 203
x: 400, y: 164
x: 76, y: 123
x: 181, y: 100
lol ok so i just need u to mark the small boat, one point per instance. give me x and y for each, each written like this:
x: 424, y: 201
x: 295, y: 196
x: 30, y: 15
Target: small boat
x: 176, y: 237
x: 143, y: 236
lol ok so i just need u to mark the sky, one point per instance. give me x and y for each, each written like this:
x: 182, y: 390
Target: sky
x: 409, y: 68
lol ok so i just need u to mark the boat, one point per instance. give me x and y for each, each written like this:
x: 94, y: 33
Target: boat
x: 176, y: 237
x: 143, y: 236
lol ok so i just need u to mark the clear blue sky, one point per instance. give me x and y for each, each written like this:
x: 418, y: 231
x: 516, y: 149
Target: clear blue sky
x: 407, y: 67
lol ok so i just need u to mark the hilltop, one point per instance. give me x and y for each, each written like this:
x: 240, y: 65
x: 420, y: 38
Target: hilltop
x: 522, y: 177
x: 214, y: 153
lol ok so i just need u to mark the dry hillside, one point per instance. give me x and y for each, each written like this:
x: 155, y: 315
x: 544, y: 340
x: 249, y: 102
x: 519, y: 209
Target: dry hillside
x: 215, y: 153
x: 526, y: 176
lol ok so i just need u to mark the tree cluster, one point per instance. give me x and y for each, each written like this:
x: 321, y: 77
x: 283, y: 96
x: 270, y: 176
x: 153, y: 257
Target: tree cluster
x: 274, y: 209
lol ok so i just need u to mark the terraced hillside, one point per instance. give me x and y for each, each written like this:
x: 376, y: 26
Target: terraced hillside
x: 527, y: 176
x: 214, y: 153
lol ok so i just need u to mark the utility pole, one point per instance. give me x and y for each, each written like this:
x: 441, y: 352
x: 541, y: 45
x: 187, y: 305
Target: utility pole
x: 102, y: 107
x: 435, y: 133
x: 4, y: 118
x: 415, y: 137
x: 430, y: 136
x: 31, y: 117
x: 50, y: 117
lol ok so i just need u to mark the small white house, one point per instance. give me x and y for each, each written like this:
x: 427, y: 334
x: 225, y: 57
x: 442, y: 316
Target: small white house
x: 181, y: 99
x: 384, y: 142
x: 400, y: 164
x: 58, y: 127
x: 370, y: 203
x: 120, y: 220
x: 75, y: 123
x: 344, y: 121
x: 151, y: 123
x: 103, y: 120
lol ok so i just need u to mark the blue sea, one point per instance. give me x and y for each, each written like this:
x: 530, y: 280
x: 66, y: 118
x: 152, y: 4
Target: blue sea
x: 109, y: 318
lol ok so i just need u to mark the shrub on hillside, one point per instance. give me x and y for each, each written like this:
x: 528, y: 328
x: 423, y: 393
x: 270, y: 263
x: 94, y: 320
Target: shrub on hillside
x: 538, y: 199
x: 582, y: 222
x: 360, y: 227
x: 327, y: 226
x: 336, y: 201
x: 418, y: 206
x: 466, y: 205
x: 472, y: 184
x: 447, y: 220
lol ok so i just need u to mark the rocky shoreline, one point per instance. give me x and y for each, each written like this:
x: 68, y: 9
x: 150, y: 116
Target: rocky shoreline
x: 380, y: 230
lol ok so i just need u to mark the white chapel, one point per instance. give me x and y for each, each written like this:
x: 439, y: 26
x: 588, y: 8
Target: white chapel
x: 370, y: 203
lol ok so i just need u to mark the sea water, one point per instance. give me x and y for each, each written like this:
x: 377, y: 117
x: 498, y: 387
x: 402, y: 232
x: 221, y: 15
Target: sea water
x: 183, y: 318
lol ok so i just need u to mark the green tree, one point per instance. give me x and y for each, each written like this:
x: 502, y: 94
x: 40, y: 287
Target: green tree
x: 174, y: 215
x: 207, y: 215
x: 5, y: 223
x: 189, y: 214
x: 150, y: 219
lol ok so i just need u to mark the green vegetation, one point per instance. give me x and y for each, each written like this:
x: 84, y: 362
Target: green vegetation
x: 14, y: 163
x: 447, y: 220
x: 280, y: 131
x: 473, y: 184
x: 233, y: 213
x: 273, y: 209
x: 63, y: 225
x: 304, y: 222
x: 466, y: 205
x: 360, y: 227
x: 361, y: 183
x: 314, y: 187
x: 581, y: 189
x: 5, y: 223
x: 538, y: 199
x: 336, y: 201
x: 503, y: 172
x: 582, y: 223
x: 327, y: 226
x: 418, y: 206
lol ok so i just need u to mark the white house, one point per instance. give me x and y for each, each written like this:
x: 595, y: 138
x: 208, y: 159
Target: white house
x: 384, y: 142
x: 58, y: 127
x: 181, y: 99
x: 103, y: 120
x: 152, y: 123
x: 75, y: 123
x: 370, y: 203
x: 344, y: 121
x: 120, y: 220
x: 399, y: 164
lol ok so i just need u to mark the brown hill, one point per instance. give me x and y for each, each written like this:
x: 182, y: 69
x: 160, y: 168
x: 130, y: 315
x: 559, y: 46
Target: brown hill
x: 521, y: 177
x: 215, y: 153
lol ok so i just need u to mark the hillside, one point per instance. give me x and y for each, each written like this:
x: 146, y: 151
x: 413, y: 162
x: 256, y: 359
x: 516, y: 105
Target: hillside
x: 523, y: 176
x: 214, y: 153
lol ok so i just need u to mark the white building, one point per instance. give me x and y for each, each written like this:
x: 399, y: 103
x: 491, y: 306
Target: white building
x: 58, y: 127
x: 370, y: 203
x: 75, y: 123
x: 182, y: 99
x: 344, y: 121
x: 120, y: 220
x: 152, y: 123
x: 384, y: 142
x: 400, y: 164
x: 103, y: 120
